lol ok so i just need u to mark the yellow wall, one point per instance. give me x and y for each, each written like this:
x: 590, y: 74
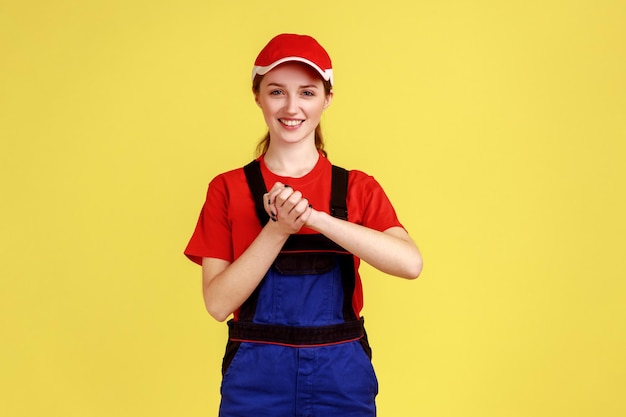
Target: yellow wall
x: 496, y: 127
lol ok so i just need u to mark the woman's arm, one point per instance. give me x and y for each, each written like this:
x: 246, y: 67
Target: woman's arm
x: 226, y: 285
x: 392, y: 251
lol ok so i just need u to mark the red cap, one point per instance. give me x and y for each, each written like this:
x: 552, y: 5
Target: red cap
x: 288, y: 47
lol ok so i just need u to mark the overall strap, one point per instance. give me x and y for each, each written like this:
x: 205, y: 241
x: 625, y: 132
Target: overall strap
x: 257, y: 188
x: 338, y: 193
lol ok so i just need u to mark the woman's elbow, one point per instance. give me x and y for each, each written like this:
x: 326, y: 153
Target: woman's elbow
x: 216, y: 311
x: 414, y: 268
x: 221, y: 318
x: 217, y: 314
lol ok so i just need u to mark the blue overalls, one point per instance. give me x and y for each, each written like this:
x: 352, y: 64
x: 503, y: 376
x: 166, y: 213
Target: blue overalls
x: 297, y: 348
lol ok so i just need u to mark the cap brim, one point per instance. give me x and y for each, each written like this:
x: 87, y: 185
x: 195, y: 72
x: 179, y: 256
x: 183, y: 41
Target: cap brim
x: 262, y: 70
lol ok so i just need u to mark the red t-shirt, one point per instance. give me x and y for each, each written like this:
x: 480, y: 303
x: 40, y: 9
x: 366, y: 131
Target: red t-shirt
x: 228, y: 222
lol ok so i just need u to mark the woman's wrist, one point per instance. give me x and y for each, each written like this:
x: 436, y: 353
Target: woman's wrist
x: 316, y: 220
x: 274, y: 231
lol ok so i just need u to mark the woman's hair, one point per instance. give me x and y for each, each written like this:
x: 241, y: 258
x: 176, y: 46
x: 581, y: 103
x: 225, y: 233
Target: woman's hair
x: 262, y: 146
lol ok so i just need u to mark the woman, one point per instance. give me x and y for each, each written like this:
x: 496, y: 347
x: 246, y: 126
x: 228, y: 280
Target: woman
x: 280, y: 242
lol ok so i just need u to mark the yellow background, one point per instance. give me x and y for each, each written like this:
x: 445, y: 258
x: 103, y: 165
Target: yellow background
x: 497, y: 129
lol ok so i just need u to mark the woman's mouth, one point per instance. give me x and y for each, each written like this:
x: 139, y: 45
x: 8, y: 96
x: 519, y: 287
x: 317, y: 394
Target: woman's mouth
x: 291, y: 122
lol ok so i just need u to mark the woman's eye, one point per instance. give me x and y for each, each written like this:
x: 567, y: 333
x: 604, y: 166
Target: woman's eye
x: 276, y: 92
x: 308, y: 93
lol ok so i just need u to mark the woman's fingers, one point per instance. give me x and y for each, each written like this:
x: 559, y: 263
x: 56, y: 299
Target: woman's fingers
x: 298, y: 211
x: 269, y: 199
x: 287, y: 198
x: 286, y: 205
x: 280, y: 195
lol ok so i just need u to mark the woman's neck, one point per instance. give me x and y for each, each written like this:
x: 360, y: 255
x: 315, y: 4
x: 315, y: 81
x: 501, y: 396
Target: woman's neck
x: 293, y: 162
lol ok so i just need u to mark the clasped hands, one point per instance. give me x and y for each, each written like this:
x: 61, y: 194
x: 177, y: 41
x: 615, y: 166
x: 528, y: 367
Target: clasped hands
x: 288, y: 208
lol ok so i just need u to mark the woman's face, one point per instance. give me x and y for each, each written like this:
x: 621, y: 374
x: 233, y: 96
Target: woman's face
x: 292, y: 99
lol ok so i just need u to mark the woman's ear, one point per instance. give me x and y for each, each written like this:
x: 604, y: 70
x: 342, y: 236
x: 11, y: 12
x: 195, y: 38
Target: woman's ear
x: 256, y: 97
x: 329, y: 99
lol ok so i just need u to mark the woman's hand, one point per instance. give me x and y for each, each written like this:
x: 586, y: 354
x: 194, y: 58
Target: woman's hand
x: 287, y: 207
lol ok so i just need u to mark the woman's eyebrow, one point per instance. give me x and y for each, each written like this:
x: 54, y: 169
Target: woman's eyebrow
x: 282, y: 86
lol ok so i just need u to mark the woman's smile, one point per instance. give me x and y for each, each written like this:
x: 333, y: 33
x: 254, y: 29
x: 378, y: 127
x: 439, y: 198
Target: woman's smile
x: 291, y: 122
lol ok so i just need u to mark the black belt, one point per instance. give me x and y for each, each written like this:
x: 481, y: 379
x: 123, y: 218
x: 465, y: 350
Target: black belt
x: 295, y: 336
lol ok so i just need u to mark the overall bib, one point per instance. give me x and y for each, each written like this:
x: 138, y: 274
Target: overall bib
x: 297, y: 348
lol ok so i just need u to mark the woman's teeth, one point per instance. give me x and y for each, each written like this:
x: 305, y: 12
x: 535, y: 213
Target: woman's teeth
x: 291, y: 123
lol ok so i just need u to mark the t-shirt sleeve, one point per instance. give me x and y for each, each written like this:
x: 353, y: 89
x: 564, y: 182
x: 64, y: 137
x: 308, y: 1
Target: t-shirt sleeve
x: 212, y: 236
x: 368, y: 204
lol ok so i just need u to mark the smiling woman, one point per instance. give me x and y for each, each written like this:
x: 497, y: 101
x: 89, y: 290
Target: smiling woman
x: 285, y: 262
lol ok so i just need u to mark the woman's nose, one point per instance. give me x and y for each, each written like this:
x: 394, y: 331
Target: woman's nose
x: 292, y: 105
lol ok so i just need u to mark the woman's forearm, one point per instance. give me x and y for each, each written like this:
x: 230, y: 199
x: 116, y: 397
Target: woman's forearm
x: 227, y: 285
x: 392, y: 251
